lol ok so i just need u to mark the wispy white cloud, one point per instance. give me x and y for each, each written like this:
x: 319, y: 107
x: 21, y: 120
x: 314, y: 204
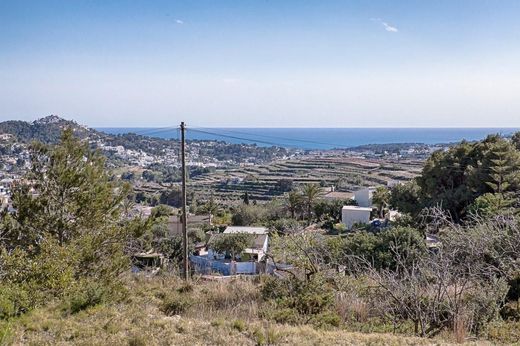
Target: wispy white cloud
x: 179, y: 21
x: 388, y: 27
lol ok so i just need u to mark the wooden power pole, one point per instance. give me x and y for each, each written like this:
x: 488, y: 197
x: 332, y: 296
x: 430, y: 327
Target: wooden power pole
x: 185, y: 272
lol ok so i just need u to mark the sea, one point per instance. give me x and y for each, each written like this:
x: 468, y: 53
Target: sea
x: 320, y: 138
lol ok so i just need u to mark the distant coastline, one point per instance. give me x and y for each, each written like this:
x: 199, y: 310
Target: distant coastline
x: 321, y: 138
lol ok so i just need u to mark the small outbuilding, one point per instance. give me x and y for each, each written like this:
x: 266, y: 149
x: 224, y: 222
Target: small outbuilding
x: 351, y: 215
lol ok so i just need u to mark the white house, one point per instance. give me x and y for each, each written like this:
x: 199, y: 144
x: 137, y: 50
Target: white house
x: 246, y: 229
x: 392, y: 183
x: 351, y: 215
x: 257, y: 250
x: 363, y: 197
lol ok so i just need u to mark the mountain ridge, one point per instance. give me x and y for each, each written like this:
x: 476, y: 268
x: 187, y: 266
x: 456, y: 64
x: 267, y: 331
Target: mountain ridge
x: 47, y: 129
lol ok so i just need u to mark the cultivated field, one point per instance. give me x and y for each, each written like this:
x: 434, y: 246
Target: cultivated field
x: 264, y: 182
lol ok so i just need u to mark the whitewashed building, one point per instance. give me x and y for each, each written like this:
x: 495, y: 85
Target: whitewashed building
x: 351, y: 215
x: 256, y: 252
x: 363, y: 197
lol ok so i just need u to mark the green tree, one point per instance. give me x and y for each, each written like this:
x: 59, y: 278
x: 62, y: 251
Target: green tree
x: 69, y: 194
x: 381, y: 199
x: 453, y: 179
x: 161, y: 210
x: 246, y: 198
x: 490, y: 204
x: 232, y: 243
x: 310, y: 194
x: 445, y: 178
x: 405, y: 197
x: 211, y: 208
x: 293, y: 202
x: 500, y: 163
x: 246, y: 215
x: 516, y: 140
x: 68, y: 231
x: 172, y: 197
x: 381, y: 249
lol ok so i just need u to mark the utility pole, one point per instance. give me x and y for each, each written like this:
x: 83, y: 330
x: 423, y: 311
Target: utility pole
x: 185, y: 273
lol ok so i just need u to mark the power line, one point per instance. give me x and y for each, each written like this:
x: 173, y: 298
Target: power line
x: 242, y: 138
x: 151, y: 132
x: 278, y: 137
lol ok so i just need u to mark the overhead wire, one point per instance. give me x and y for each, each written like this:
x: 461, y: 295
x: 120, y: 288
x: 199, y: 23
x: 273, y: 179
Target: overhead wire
x: 204, y: 130
x: 241, y: 138
x: 273, y: 137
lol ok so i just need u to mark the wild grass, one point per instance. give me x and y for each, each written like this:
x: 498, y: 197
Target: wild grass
x: 165, y: 311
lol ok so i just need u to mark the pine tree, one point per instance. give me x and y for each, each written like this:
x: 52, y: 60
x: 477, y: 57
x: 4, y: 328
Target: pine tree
x: 502, y: 162
x: 67, y: 193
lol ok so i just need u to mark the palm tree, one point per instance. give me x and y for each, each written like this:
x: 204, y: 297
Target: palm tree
x: 293, y: 202
x: 310, y: 193
x: 211, y: 208
x: 380, y: 199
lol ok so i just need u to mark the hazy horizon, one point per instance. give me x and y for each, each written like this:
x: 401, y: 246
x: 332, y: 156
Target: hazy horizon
x: 313, y: 64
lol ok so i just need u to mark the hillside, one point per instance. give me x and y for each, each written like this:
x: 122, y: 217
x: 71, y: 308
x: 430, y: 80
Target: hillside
x: 226, y: 313
x: 131, y: 149
x: 46, y: 130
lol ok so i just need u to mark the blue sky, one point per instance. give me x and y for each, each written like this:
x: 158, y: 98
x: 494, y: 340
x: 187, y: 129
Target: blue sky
x: 267, y: 63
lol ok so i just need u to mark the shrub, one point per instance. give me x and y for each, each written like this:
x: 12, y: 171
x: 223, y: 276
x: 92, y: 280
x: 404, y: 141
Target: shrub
x: 266, y: 337
x: 294, y: 299
x: 5, y: 333
x: 239, y: 325
x: 285, y: 315
x: 340, y: 228
x: 327, y: 319
x: 185, y: 288
x: 136, y: 340
x: 84, y: 296
x: 175, y: 304
x: 503, y: 332
x: 14, y: 300
x: 511, y: 311
x: 259, y: 337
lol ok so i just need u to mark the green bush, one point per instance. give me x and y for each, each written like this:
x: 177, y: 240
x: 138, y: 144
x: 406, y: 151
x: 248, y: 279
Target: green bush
x: 259, y: 337
x: 327, y: 319
x: 266, y: 337
x: 295, y: 300
x: 84, y: 296
x: 14, y: 300
x: 285, y: 316
x: 185, y: 288
x: 175, y: 304
x: 239, y: 325
x: 5, y: 333
x: 503, y: 332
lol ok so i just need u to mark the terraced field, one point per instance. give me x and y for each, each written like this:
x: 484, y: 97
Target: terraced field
x: 267, y: 181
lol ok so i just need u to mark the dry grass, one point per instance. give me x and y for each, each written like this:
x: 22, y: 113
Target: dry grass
x: 219, y: 313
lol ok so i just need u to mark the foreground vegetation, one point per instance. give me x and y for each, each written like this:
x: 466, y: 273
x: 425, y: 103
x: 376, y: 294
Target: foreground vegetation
x: 164, y: 311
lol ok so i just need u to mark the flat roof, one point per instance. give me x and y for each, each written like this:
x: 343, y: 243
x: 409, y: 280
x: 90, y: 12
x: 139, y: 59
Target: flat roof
x: 241, y: 229
x: 355, y: 207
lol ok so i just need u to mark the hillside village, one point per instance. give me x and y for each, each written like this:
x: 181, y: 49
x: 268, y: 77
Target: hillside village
x: 153, y: 163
